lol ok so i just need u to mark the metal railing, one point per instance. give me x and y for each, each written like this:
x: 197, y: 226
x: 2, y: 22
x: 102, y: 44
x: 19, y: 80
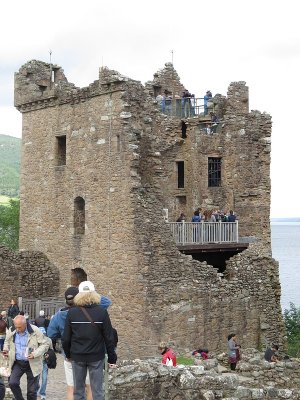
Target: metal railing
x: 185, y: 107
x: 186, y: 233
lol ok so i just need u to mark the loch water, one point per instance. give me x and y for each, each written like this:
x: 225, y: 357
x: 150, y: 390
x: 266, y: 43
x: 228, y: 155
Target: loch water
x: 286, y: 250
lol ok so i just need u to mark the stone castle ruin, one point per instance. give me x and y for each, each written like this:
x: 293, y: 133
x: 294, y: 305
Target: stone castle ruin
x: 101, y: 168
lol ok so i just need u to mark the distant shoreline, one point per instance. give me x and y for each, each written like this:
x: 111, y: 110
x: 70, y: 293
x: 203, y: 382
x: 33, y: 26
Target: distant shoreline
x: 285, y: 219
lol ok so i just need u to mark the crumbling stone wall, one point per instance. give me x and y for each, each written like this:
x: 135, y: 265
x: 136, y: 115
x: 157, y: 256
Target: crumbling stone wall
x: 120, y: 157
x: 26, y: 274
x: 139, y: 380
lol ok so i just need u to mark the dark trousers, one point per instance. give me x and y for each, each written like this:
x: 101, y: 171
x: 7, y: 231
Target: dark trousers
x: 2, y: 389
x: 18, y: 370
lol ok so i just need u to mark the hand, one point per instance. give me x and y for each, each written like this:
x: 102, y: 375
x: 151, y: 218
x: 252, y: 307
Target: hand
x: 30, y: 356
x: 5, y: 353
x: 112, y: 366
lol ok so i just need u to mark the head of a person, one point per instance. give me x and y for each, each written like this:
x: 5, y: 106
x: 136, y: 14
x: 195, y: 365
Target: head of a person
x: 78, y: 275
x: 3, y: 314
x: 87, y: 294
x: 70, y: 293
x: 42, y: 313
x: 231, y: 212
x: 22, y: 313
x: 20, y: 323
x: 232, y: 336
x: 162, y: 347
x: 13, y: 302
x: 196, y: 213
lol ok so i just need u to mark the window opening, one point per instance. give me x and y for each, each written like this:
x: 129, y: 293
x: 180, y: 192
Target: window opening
x: 183, y: 130
x: 180, y: 174
x: 61, y: 149
x: 214, y: 171
x: 79, y: 216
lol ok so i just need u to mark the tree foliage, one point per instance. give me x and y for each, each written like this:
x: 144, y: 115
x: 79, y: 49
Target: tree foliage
x: 9, y: 224
x: 292, y: 324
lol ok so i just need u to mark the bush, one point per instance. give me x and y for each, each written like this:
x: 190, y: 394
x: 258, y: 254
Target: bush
x: 292, y: 324
x: 9, y: 224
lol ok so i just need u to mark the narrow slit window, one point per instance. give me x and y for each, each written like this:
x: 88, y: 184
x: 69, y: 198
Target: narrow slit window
x: 214, y: 171
x: 180, y: 174
x: 61, y: 148
x: 79, y: 216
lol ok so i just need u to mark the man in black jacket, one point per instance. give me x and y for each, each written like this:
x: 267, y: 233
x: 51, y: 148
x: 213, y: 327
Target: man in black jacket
x: 87, y: 333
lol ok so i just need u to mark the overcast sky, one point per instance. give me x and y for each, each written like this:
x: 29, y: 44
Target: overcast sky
x: 214, y: 43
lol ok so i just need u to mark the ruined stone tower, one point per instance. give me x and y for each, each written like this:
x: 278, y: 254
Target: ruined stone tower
x: 99, y: 165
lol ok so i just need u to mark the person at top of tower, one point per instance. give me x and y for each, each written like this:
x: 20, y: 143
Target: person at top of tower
x: 207, y: 97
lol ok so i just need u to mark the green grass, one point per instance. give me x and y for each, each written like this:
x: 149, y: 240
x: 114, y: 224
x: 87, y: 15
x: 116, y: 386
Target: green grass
x: 185, y: 360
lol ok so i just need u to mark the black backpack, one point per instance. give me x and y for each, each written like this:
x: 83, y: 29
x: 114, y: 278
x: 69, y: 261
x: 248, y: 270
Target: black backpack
x: 51, y: 359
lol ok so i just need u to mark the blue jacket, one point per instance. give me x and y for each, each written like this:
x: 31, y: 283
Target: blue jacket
x: 57, y: 323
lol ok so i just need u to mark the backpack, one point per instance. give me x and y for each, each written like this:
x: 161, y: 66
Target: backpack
x: 3, y: 326
x: 51, y: 359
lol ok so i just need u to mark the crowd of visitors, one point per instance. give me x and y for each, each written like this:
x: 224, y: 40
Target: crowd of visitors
x: 209, y: 216
x: 87, y: 335
x: 185, y: 106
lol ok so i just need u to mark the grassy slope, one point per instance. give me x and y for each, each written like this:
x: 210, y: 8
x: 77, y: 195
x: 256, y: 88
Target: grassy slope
x: 10, y: 155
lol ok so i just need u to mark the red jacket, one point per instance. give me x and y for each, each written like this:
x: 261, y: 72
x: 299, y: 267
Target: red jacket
x: 169, y: 353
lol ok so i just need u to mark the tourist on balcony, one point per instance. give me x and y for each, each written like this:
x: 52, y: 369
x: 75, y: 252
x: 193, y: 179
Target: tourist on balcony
x: 231, y: 217
x: 196, y: 218
x: 181, y: 218
x: 186, y: 103
x: 233, y: 351
x: 207, y: 97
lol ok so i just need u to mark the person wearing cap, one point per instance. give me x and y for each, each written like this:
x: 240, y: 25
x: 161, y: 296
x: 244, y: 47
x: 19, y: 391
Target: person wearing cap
x: 88, y: 333
x: 41, y: 321
x: 56, y: 330
x: 79, y: 275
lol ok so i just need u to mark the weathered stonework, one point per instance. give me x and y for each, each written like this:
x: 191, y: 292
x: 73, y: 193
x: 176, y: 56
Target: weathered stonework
x: 120, y: 159
x: 26, y: 274
x: 255, y: 379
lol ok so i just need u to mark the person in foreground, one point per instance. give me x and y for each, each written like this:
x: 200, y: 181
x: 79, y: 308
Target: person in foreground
x: 168, y: 355
x: 25, y: 347
x: 87, y: 333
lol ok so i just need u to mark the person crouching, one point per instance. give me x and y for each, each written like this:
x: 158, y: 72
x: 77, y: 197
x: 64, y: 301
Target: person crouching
x: 168, y: 355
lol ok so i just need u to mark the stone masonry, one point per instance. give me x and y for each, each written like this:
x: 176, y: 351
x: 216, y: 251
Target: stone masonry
x: 26, y: 274
x: 99, y: 167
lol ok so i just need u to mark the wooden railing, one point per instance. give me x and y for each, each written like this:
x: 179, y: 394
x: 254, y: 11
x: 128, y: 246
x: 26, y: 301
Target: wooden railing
x: 186, y: 233
x: 32, y: 307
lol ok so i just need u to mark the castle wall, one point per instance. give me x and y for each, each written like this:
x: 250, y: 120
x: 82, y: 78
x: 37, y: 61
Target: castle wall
x: 26, y: 274
x: 121, y: 154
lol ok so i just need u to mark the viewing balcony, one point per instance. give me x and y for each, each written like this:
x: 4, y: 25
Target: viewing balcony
x: 199, y: 233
